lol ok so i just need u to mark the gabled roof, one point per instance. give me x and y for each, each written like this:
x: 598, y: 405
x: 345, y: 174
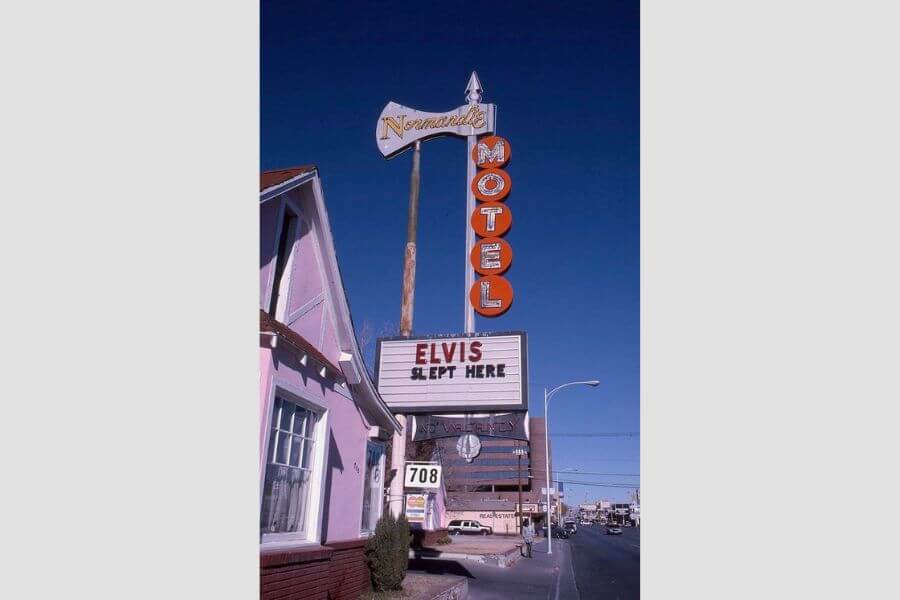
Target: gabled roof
x: 269, y: 179
x: 275, y: 183
x: 268, y: 324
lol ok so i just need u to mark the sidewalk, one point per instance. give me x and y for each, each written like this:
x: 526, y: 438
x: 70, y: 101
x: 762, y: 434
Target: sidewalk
x: 544, y: 576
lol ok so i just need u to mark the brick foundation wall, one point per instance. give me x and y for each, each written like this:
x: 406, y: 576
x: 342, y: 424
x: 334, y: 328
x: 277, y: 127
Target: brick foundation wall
x: 336, y: 571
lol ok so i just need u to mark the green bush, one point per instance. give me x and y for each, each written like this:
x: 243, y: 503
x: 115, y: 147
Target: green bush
x: 387, y: 553
x: 444, y: 540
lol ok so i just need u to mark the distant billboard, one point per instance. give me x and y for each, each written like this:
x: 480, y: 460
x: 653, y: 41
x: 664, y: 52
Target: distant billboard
x: 455, y: 373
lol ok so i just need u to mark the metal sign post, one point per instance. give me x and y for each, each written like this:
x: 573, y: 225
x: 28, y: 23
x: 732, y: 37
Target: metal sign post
x: 473, y: 96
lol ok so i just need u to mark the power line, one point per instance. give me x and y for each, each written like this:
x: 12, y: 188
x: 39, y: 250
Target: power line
x: 579, y: 472
x: 627, y: 486
x: 599, y: 434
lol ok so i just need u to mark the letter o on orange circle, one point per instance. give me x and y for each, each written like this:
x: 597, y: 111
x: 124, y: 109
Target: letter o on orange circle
x: 491, y: 151
x: 491, y: 185
x: 491, y: 219
x: 491, y: 256
x: 491, y: 295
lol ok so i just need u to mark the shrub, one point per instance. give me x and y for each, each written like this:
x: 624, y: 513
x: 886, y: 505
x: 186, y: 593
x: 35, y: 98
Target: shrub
x: 444, y: 540
x: 387, y: 553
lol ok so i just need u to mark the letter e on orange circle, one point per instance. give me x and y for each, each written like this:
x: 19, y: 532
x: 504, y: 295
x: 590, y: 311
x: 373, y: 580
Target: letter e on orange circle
x: 491, y: 256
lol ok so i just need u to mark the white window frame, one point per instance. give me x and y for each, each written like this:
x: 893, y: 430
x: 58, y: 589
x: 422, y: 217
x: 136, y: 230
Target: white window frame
x: 286, y: 204
x: 316, y: 503
x: 284, y: 291
x: 362, y: 493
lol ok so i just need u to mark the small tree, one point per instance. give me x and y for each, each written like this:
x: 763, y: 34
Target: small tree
x: 387, y: 553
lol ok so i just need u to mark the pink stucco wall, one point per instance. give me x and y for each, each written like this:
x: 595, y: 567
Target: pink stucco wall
x: 348, y: 423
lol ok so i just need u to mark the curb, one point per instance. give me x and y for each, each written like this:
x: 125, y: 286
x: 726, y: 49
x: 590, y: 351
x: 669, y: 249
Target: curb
x: 504, y: 560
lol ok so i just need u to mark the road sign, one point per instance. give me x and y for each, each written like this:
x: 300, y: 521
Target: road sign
x: 419, y: 475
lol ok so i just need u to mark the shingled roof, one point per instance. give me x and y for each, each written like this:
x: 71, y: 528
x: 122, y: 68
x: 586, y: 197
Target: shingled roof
x: 269, y: 179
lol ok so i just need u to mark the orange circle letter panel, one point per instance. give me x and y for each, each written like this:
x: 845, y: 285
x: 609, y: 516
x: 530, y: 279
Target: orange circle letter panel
x: 491, y: 219
x: 491, y: 295
x: 491, y: 151
x: 491, y: 256
x: 491, y: 185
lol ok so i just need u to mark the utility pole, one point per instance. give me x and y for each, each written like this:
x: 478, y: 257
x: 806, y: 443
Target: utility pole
x: 407, y: 303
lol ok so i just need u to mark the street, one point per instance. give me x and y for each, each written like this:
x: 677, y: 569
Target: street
x: 590, y: 564
x: 607, y: 566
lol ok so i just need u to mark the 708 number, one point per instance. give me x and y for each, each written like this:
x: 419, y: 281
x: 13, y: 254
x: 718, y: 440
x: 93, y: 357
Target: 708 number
x: 424, y: 475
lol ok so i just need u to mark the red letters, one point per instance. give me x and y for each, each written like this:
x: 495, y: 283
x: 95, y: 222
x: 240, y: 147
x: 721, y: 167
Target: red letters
x: 475, y: 347
x: 420, y: 354
x: 448, y: 354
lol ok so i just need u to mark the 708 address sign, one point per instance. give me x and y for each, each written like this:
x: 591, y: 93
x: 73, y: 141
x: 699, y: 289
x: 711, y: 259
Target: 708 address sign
x: 423, y: 476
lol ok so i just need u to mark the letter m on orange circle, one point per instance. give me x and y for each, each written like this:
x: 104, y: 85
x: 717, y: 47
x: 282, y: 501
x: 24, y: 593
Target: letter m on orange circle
x: 491, y: 152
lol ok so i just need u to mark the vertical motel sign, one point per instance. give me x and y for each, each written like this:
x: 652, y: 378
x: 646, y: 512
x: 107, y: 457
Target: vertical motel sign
x: 399, y: 127
x: 491, y: 294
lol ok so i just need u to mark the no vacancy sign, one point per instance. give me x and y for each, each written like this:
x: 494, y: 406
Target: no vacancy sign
x: 465, y: 373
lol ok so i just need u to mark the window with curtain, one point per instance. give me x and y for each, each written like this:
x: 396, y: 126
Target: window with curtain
x: 289, y: 464
x: 372, y: 486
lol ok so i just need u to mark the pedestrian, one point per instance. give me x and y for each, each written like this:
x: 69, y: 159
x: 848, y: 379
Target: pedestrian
x: 528, y: 536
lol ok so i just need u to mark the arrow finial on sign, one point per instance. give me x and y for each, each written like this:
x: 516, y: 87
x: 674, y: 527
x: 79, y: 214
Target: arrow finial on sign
x: 473, y: 89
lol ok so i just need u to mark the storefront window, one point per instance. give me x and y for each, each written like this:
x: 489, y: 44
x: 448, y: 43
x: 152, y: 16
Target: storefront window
x: 285, y: 502
x: 372, y: 486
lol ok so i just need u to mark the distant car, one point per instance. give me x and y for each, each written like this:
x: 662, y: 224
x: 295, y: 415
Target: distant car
x: 613, y: 530
x: 571, y: 527
x: 457, y: 527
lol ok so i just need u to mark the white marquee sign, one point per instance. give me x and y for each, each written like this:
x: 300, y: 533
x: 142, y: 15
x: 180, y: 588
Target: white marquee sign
x: 466, y: 373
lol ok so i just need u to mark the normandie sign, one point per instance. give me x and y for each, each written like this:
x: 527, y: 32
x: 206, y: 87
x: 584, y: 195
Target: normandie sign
x: 400, y: 126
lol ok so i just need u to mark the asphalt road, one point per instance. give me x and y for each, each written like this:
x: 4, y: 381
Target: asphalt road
x: 607, y: 566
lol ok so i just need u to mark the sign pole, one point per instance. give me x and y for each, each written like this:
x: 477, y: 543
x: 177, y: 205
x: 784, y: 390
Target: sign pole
x: 407, y: 300
x: 407, y: 303
x: 473, y: 96
x: 547, y: 450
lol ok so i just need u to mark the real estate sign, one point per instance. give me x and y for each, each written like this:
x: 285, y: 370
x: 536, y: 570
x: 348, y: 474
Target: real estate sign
x: 477, y: 372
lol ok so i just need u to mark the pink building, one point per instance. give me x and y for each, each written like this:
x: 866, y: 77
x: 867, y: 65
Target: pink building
x: 322, y: 423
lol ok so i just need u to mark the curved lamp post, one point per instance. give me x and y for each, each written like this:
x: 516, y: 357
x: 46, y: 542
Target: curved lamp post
x: 547, y: 396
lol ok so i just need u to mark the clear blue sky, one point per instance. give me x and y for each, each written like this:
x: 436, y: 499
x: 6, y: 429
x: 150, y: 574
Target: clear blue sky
x: 565, y: 79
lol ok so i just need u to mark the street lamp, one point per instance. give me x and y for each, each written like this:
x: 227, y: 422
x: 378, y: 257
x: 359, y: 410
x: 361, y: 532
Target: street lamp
x: 547, y: 396
x: 519, y: 451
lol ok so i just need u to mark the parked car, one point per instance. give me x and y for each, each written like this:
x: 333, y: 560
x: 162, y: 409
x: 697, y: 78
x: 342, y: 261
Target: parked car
x: 457, y: 527
x: 613, y: 529
x: 571, y: 527
x: 558, y: 532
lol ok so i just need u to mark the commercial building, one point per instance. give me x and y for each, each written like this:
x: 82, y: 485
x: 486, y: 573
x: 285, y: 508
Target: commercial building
x: 323, y: 425
x: 487, y: 488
